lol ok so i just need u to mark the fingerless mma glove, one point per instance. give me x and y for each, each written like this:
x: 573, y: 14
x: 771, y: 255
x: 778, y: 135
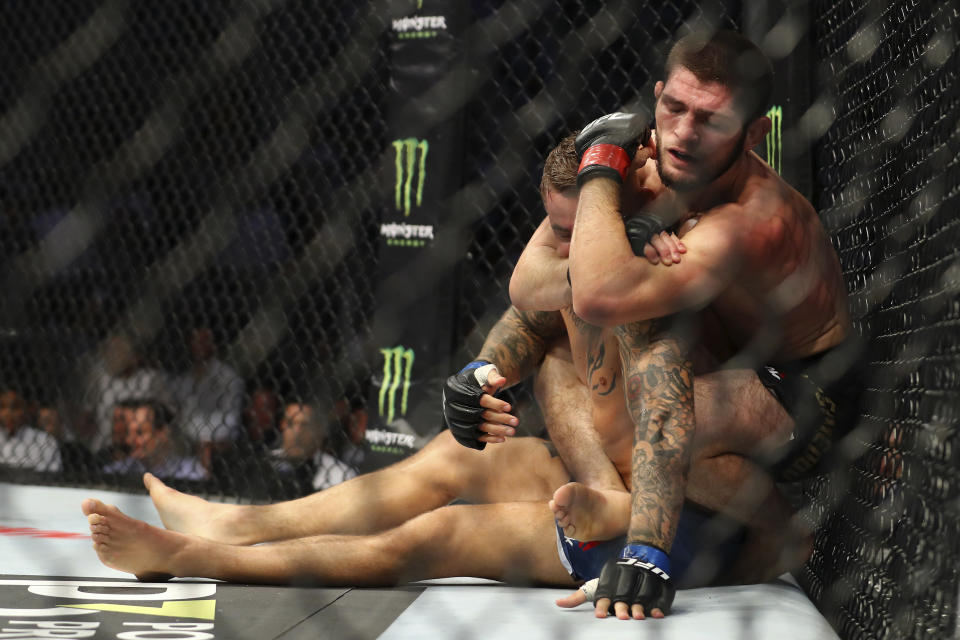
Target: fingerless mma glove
x: 607, y: 145
x: 641, y: 229
x: 639, y: 576
x: 461, y: 403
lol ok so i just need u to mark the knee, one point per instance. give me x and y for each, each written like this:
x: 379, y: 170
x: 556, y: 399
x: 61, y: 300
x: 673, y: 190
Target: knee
x: 445, y: 462
x: 411, y: 551
x: 445, y: 449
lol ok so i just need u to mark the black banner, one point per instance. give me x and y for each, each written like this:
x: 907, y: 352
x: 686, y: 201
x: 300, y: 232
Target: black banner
x: 414, y: 323
x: 783, y: 29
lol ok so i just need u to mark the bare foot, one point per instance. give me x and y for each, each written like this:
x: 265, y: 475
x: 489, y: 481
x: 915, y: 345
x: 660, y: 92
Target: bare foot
x: 189, y: 514
x: 130, y: 545
x: 591, y: 514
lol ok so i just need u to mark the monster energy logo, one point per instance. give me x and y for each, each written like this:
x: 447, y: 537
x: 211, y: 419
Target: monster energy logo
x: 775, y: 139
x: 397, y: 367
x: 408, y: 150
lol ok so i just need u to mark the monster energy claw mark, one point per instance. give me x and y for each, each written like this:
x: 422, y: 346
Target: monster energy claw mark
x: 397, y: 367
x: 775, y: 139
x: 406, y: 166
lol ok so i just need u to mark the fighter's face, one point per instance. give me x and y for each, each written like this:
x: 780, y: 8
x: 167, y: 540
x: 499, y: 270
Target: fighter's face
x: 300, y: 437
x: 699, y: 133
x: 12, y: 410
x: 562, y: 211
x: 142, y: 435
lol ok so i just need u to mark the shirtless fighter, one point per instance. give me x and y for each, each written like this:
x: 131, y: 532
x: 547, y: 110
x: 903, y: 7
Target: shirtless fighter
x: 757, y: 266
x: 394, y: 525
x: 402, y: 542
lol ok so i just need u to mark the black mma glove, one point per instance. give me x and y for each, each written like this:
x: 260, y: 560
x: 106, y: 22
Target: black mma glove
x: 641, y: 229
x: 607, y: 145
x: 639, y: 576
x: 461, y: 403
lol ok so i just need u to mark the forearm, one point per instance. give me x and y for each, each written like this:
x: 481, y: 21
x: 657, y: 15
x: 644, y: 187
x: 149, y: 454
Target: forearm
x: 540, y: 284
x: 539, y: 280
x: 566, y: 407
x: 518, y: 342
x: 659, y: 385
x: 603, y: 270
x: 599, y: 243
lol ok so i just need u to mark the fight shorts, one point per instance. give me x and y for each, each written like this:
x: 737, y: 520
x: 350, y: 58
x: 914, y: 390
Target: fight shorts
x: 822, y: 394
x: 704, y: 548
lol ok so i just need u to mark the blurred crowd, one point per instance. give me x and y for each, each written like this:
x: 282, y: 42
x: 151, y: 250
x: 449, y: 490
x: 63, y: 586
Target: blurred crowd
x: 205, y: 423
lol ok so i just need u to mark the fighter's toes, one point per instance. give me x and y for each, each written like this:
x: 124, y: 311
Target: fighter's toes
x: 90, y: 506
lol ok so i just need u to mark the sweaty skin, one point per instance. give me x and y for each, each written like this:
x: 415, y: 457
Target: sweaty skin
x: 758, y: 261
x: 758, y: 256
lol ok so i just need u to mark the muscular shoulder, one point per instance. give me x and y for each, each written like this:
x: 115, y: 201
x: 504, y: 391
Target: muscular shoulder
x: 781, y: 221
x: 767, y: 197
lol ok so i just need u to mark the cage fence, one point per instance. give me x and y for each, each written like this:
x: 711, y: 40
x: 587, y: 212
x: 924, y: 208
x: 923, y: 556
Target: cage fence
x: 283, y: 223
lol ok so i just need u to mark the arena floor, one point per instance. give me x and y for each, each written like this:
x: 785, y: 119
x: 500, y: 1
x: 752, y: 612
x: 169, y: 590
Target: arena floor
x: 51, y: 579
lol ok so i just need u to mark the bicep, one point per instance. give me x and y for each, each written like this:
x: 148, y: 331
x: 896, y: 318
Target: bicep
x: 706, y: 269
x: 534, y: 283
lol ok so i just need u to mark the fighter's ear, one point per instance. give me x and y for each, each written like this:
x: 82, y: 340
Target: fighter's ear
x: 757, y: 131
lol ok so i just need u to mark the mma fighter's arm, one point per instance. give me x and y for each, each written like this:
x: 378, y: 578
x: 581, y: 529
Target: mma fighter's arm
x: 514, y: 347
x: 658, y: 380
x: 658, y: 377
x: 612, y: 287
x: 518, y: 342
x: 539, y: 280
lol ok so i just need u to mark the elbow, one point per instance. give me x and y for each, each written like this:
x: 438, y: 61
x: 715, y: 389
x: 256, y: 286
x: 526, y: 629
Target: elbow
x: 593, y: 307
x: 613, y: 310
x: 517, y: 294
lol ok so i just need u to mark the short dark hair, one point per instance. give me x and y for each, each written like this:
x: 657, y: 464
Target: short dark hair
x: 561, y: 167
x: 728, y: 58
x: 163, y: 416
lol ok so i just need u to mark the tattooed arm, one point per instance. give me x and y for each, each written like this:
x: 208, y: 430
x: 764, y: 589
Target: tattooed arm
x: 519, y: 341
x: 658, y: 379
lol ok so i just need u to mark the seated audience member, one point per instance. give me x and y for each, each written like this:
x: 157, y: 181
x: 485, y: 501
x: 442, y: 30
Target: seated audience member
x: 118, y: 449
x: 260, y: 417
x: 119, y: 375
x: 23, y: 446
x: 50, y: 421
x: 154, y: 446
x: 304, y: 451
x: 348, y: 430
x: 74, y: 455
x: 210, y: 398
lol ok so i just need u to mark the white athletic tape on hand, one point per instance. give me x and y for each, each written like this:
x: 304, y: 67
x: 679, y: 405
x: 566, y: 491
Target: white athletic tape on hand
x: 481, y: 373
x: 589, y: 589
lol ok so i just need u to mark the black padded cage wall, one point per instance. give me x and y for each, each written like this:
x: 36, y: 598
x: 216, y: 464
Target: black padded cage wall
x: 184, y: 165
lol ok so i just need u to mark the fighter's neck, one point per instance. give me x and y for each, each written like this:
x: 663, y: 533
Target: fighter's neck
x: 727, y: 188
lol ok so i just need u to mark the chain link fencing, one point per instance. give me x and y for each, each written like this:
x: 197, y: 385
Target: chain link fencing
x: 194, y: 197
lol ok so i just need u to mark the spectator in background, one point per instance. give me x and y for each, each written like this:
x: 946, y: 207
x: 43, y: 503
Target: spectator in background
x: 210, y: 398
x: 304, y: 450
x: 117, y: 449
x: 119, y: 376
x: 74, y: 455
x: 348, y: 430
x: 154, y: 445
x: 260, y: 417
x: 50, y: 421
x: 23, y: 446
